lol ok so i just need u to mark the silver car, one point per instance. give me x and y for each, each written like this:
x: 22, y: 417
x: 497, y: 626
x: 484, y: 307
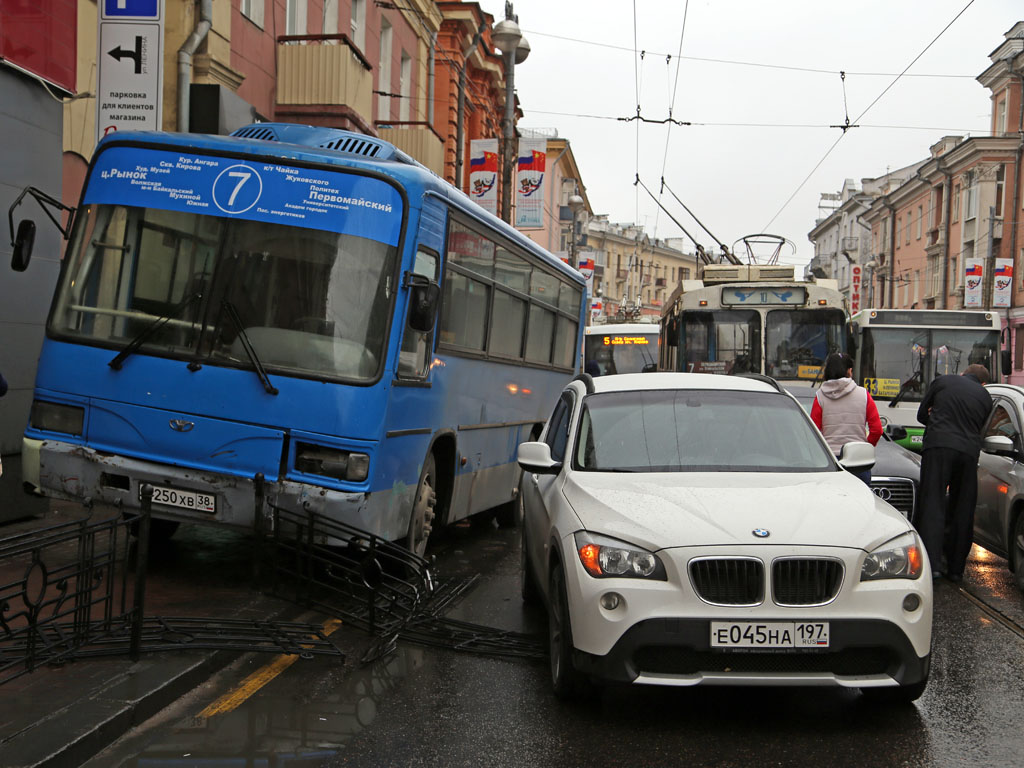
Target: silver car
x: 999, y: 516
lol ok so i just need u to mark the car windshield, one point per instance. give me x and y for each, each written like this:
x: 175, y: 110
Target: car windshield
x: 683, y: 430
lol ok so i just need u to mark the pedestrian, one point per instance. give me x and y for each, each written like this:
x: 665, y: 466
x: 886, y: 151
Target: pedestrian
x: 954, y: 411
x: 844, y: 411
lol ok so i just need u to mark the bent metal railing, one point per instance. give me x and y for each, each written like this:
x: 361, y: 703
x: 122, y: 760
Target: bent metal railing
x: 77, y: 589
x: 376, y: 585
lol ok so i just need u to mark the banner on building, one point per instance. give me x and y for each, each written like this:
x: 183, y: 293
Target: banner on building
x: 483, y: 173
x: 973, y: 275
x: 530, y: 168
x: 1003, y: 285
x: 855, y: 287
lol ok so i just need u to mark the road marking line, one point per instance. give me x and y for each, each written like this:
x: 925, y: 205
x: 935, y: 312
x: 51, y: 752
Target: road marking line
x: 258, y: 679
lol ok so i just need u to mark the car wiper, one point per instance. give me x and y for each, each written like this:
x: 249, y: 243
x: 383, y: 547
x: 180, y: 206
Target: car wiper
x: 232, y: 313
x: 150, y: 329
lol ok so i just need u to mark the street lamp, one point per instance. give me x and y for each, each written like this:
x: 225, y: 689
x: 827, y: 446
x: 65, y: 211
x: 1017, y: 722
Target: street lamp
x: 508, y: 39
x: 575, y: 205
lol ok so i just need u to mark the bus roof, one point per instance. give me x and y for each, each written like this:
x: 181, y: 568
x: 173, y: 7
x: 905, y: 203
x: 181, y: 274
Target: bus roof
x: 294, y: 143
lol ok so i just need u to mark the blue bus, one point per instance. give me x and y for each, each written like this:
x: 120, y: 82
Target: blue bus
x: 293, y: 316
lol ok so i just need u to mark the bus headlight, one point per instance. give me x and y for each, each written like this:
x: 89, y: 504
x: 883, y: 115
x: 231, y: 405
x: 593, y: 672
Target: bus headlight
x: 56, y: 417
x: 332, y: 462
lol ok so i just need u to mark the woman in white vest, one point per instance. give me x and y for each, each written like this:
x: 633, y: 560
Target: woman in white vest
x: 843, y: 411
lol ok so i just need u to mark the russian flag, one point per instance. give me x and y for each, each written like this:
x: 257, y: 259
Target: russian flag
x: 1004, y: 270
x: 974, y: 270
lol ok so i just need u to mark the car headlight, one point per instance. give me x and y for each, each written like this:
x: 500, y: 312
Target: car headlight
x: 604, y: 557
x: 899, y: 558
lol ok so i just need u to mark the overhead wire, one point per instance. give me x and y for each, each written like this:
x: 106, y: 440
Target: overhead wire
x: 672, y: 103
x: 866, y: 110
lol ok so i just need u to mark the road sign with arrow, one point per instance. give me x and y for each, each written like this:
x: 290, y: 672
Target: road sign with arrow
x: 129, y: 92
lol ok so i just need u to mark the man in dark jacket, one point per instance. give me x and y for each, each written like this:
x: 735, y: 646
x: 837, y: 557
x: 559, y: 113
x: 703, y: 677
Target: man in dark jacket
x: 954, y: 411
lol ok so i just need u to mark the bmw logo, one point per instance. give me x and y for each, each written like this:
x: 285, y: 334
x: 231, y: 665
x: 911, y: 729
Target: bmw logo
x: 761, y: 533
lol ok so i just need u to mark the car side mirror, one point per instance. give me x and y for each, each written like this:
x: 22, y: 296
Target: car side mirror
x: 857, y: 456
x: 23, y: 242
x: 649, y: 368
x: 998, y: 444
x: 536, y: 458
x: 896, y: 432
x: 424, y: 297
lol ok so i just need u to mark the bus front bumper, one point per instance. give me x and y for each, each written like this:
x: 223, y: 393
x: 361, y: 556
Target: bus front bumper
x: 77, y: 473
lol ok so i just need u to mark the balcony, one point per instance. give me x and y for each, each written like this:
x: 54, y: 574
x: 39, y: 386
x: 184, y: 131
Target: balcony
x: 320, y: 74
x: 659, y: 282
x: 621, y: 274
x: 850, y: 244
x: 416, y: 139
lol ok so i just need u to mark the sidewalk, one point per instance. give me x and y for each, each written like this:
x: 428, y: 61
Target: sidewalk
x: 60, y: 716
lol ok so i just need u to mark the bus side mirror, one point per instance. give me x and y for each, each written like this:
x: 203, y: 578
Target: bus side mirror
x: 1005, y: 361
x: 23, y: 242
x: 423, y: 300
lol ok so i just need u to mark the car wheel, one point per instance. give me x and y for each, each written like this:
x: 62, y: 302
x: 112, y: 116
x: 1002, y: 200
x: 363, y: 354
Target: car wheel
x: 527, y: 583
x: 904, y: 694
x: 1017, y: 550
x: 566, y: 681
x: 422, y: 519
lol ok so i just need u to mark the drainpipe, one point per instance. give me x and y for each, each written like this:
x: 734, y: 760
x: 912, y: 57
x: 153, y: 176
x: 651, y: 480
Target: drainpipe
x: 431, y: 74
x: 947, y: 215
x: 460, y: 150
x: 189, y: 47
x: 1016, y: 214
x: 892, y: 252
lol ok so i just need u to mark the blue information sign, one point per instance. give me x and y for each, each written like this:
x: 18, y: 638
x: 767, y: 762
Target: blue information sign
x: 261, y: 191
x: 131, y: 9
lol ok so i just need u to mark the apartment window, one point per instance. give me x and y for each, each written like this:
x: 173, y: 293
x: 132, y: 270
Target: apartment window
x: 899, y: 230
x: 384, y: 71
x: 405, y: 87
x: 917, y: 285
x: 1001, y: 118
x: 910, y: 218
x: 971, y: 195
x: 954, y: 274
x: 330, y: 25
x: 295, y: 17
x: 359, y: 24
x: 253, y: 11
x: 956, y: 203
x: 686, y: 273
x: 920, y: 220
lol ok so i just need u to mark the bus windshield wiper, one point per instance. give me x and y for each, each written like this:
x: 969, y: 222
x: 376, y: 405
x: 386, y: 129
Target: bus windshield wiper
x: 150, y: 329
x: 232, y: 313
x: 904, y: 388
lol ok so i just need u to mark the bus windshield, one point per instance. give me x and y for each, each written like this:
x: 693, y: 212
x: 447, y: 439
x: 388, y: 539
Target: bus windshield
x: 608, y: 353
x: 798, y: 341
x: 202, y: 257
x: 903, y: 361
x: 720, y: 341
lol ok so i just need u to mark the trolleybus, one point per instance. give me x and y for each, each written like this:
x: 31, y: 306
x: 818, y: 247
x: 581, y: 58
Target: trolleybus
x: 294, y: 316
x: 753, y: 319
x: 900, y: 351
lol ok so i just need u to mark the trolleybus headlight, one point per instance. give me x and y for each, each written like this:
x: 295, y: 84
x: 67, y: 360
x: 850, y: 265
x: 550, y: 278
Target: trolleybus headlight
x: 899, y: 558
x: 604, y: 557
x: 331, y: 462
x: 55, y: 417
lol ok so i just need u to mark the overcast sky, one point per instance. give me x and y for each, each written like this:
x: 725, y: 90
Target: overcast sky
x: 760, y: 82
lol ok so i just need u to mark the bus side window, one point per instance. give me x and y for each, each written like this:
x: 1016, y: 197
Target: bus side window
x: 414, y: 357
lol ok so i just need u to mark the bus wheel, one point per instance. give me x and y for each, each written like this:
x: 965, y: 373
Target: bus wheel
x: 422, y: 519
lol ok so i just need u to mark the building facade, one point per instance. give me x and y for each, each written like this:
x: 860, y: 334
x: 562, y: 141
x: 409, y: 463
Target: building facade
x: 964, y: 202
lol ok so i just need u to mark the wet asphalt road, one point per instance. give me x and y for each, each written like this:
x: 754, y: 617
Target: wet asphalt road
x: 431, y: 707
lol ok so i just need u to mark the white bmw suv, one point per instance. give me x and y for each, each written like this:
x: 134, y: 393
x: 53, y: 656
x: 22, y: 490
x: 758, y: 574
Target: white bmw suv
x: 692, y: 529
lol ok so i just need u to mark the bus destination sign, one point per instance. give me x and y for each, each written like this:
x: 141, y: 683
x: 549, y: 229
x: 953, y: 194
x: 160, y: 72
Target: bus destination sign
x: 615, y: 341
x: 750, y: 295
